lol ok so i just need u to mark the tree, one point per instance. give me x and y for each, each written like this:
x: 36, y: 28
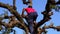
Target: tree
x: 16, y: 19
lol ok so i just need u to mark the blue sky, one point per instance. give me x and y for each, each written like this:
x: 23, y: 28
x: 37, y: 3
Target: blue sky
x: 39, y: 6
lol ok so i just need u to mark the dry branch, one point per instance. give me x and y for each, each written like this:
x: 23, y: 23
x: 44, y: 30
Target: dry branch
x: 46, y: 15
x: 15, y: 13
x: 20, y: 22
x: 53, y: 27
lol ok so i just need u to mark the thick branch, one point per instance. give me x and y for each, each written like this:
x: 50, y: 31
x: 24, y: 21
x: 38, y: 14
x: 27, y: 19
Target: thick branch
x: 7, y: 17
x: 12, y: 25
x: 45, y: 19
x: 12, y: 11
x: 46, y: 13
x: 15, y: 13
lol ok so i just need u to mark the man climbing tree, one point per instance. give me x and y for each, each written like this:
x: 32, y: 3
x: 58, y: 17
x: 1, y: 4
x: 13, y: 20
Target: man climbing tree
x: 30, y: 17
x: 31, y: 14
x: 17, y: 19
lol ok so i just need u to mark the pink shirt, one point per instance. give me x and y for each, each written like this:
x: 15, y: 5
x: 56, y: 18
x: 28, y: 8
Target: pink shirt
x: 29, y: 10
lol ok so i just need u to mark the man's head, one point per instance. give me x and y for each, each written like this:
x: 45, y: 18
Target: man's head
x: 29, y: 6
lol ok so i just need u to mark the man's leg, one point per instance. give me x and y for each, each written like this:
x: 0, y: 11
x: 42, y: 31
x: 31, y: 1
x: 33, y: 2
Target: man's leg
x: 35, y: 17
x: 30, y: 22
x: 31, y: 26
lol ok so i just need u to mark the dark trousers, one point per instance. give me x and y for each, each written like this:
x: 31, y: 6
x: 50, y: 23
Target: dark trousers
x: 30, y: 19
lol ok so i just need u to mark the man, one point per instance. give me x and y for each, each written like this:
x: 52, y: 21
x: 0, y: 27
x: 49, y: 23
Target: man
x: 31, y: 16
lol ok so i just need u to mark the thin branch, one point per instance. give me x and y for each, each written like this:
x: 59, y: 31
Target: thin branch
x: 53, y: 27
x: 14, y: 4
x: 12, y: 11
x: 42, y: 30
x: 12, y: 25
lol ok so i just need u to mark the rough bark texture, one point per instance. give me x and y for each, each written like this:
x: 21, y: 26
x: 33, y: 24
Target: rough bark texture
x: 20, y: 22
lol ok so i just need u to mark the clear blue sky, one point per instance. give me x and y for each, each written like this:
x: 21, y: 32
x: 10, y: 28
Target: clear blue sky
x: 39, y: 6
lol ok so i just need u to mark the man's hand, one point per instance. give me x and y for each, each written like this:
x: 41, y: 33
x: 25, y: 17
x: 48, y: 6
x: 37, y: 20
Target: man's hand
x: 22, y: 16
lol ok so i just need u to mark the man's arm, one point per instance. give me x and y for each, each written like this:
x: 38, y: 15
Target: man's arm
x: 23, y: 12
